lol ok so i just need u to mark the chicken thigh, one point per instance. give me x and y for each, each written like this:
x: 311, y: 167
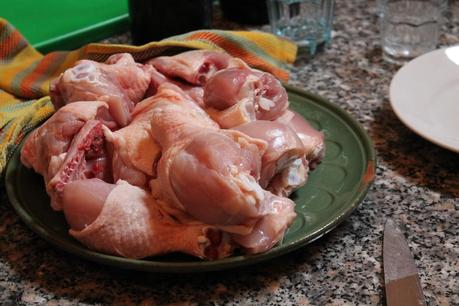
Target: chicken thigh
x: 121, y: 82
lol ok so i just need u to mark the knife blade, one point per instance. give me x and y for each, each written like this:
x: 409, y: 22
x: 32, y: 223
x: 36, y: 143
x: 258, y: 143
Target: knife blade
x: 403, y: 287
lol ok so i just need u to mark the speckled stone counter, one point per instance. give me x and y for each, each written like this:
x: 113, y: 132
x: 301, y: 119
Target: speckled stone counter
x: 416, y: 184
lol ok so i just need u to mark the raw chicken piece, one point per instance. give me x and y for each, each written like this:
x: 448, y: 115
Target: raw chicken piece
x: 312, y: 139
x: 125, y: 220
x: 195, y: 92
x: 278, y: 215
x: 46, y: 147
x: 284, y: 167
x: 135, y: 152
x: 214, y: 180
x: 290, y: 178
x: 236, y: 96
x: 239, y: 113
x: 203, y: 171
x: 212, y: 175
x: 205, y: 197
x: 83, y: 201
x: 87, y: 146
x: 121, y: 82
x: 195, y: 67
x: 174, y: 116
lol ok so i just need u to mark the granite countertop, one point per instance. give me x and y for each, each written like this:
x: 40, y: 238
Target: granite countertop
x: 416, y: 184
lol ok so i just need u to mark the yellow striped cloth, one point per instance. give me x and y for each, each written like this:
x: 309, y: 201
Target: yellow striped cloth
x: 25, y: 74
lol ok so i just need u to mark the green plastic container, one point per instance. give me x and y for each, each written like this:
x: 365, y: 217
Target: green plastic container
x: 66, y: 24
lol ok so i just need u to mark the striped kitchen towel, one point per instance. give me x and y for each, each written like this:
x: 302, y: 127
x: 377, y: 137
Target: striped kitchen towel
x: 25, y: 74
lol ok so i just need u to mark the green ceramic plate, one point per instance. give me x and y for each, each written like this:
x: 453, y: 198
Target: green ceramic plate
x: 334, y: 189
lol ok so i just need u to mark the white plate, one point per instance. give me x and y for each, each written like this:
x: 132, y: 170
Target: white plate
x: 424, y: 94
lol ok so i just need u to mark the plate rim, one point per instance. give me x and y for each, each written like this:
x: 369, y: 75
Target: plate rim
x: 404, y: 119
x: 228, y: 263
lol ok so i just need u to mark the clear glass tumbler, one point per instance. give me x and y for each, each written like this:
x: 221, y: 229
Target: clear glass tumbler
x: 307, y: 22
x: 380, y: 7
x: 410, y: 28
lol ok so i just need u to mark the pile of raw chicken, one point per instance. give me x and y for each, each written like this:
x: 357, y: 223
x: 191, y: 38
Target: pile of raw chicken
x: 194, y: 153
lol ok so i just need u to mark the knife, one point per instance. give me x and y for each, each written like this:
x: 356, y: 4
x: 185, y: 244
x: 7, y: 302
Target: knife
x: 400, y: 273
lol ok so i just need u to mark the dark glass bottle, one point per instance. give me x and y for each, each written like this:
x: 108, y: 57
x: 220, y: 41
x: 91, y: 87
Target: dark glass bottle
x: 155, y: 19
x: 245, y: 11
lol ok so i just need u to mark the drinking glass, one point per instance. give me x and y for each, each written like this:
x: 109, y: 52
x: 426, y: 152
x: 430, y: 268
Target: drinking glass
x: 380, y: 7
x: 307, y: 22
x: 410, y: 28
